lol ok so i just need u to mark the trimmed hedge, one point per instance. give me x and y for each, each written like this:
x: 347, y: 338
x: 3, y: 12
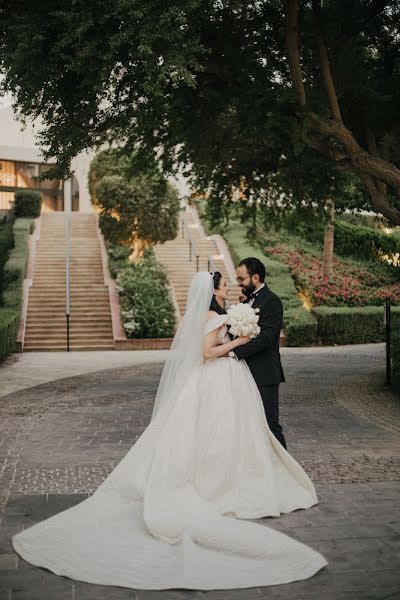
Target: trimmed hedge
x: 9, y: 322
x: 6, y: 244
x: 300, y: 327
x: 14, y: 273
x: 351, y: 325
x: 396, y: 356
x: 363, y: 242
x: 395, y: 348
x: 15, y: 267
x: 27, y: 204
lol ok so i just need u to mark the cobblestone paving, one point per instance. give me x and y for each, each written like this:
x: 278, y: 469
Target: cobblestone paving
x: 61, y: 439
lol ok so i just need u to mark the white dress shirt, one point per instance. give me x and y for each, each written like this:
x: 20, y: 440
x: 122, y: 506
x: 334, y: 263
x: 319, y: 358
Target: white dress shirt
x: 250, y: 302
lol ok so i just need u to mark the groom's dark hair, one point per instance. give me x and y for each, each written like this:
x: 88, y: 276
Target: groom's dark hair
x: 254, y: 267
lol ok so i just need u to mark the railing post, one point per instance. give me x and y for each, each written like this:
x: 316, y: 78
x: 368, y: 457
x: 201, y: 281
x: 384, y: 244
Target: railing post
x: 197, y: 262
x: 388, y: 324
x: 67, y: 275
x: 190, y: 250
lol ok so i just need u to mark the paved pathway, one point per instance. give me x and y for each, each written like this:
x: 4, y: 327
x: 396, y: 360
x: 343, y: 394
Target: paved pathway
x: 61, y: 438
x: 20, y: 371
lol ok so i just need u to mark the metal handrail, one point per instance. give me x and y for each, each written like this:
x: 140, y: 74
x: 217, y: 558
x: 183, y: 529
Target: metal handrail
x: 192, y: 244
x: 67, y: 274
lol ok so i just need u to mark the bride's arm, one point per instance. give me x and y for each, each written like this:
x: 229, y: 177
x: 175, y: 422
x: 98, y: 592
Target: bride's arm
x: 213, y: 350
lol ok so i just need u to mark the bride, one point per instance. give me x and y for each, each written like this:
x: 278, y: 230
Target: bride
x: 177, y: 510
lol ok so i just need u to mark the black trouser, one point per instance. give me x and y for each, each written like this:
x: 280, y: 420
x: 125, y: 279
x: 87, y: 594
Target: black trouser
x: 270, y: 398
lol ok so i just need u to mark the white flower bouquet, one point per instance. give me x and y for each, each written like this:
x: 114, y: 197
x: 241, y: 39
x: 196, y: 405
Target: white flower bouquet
x: 243, y: 320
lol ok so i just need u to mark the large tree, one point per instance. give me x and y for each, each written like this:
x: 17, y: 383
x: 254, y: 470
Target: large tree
x: 137, y: 208
x: 241, y: 94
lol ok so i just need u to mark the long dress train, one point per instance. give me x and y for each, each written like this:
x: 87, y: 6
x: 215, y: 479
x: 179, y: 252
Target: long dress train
x: 174, y: 513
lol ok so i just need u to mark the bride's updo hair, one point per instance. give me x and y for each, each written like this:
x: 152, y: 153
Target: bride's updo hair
x: 214, y: 304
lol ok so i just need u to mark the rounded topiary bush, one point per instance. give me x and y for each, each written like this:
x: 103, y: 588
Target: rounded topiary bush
x: 27, y: 204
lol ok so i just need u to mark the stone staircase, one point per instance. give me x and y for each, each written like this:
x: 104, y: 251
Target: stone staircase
x: 175, y: 254
x: 90, y: 316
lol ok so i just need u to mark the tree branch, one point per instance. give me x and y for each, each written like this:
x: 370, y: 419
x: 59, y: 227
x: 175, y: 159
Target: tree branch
x: 379, y: 202
x: 373, y: 149
x: 344, y: 149
x: 292, y: 45
x: 324, y: 63
x: 361, y: 160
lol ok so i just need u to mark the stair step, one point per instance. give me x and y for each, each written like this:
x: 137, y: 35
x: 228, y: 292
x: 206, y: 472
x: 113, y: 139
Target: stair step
x: 90, y: 313
x: 63, y: 347
x: 76, y: 320
x: 59, y: 335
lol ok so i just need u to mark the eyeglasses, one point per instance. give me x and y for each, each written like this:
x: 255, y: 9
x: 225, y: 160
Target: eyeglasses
x: 241, y: 279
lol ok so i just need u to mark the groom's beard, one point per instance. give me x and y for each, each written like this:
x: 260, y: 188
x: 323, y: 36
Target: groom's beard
x: 249, y: 289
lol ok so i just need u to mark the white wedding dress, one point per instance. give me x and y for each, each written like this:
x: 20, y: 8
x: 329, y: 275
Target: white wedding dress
x: 174, y: 513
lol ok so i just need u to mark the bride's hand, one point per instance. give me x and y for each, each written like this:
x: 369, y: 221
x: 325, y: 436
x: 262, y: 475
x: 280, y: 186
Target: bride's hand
x: 243, y: 339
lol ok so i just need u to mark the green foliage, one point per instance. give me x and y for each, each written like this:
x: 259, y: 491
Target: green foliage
x: 207, y: 85
x: 345, y: 325
x: 6, y: 244
x: 14, y: 273
x: 363, y: 242
x: 300, y: 327
x: 117, y: 258
x: 9, y: 320
x: 106, y: 163
x: 15, y: 267
x: 146, y: 307
x: 139, y: 208
x: 351, y: 238
x: 278, y: 277
x: 396, y: 233
x: 27, y: 204
x: 356, y: 218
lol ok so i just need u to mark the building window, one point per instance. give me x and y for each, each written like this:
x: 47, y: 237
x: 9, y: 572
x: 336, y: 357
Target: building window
x: 7, y: 173
x: 17, y: 175
x: 5, y: 200
x: 27, y: 175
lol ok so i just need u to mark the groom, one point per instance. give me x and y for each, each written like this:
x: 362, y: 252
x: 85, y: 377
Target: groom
x: 262, y: 352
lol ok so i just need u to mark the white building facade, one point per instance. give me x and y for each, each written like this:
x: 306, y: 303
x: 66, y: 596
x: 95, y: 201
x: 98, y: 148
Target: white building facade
x: 21, y: 164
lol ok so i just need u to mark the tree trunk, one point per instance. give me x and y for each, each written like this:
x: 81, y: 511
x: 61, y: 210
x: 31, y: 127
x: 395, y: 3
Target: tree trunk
x: 331, y: 137
x: 327, y: 263
x: 139, y: 246
x: 292, y: 44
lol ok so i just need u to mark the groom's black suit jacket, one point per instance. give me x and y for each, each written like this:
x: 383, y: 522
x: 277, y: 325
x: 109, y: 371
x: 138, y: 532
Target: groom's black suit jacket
x: 262, y: 352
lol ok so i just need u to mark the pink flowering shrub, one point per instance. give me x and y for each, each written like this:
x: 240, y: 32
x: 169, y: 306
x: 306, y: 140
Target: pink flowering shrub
x: 351, y: 285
